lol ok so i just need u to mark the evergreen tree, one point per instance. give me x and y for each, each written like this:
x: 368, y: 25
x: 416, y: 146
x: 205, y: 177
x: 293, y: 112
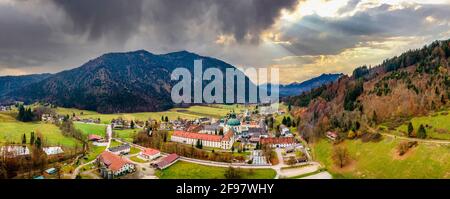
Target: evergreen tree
x: 284, y: 120
x: 24, y: 139
x: 38, y: 142
x: 410, y: 129
x: 132, y: 124
x: 422, y: 133
x: 32, y: 138
x: 21, y: 113
x: 167, y: 119
x: 289, y: 107
x: 162, y: 118
x: 288, y: 122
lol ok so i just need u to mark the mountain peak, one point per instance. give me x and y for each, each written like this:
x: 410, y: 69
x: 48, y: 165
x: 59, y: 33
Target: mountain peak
x: 183, y: 53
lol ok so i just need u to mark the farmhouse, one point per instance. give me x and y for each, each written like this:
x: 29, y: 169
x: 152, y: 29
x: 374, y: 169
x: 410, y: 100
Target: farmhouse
x: 53, y: 150
x: 112, y: 165
x: 120, y: 150
x: 167, y: 161
x: 280, y: 142
x: 216, y: 141
x: 149, y: 154
x: 14, y: 151
x: 94, y: 138
x: 332, y: 135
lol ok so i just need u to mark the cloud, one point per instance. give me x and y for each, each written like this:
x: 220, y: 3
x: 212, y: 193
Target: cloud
x: 351, y: 5
x: 316, y: 35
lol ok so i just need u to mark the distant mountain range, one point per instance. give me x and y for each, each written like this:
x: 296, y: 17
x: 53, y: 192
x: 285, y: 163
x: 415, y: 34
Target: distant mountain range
x: 114, y: 82
x: 298, y: 88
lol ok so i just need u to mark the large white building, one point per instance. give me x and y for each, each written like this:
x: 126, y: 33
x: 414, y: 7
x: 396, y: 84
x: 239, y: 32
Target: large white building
x: 216, y: 141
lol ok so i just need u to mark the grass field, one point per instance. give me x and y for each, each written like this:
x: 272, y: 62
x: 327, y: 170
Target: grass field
x: 94, y: 151
x: 380, y: 160
x: 12, y: 132
x: 136, y: 159
x: 186, y: 170
x: 193, y: 112
x: 91, y: 128
x: 126, y: 134
x: 439, y: 125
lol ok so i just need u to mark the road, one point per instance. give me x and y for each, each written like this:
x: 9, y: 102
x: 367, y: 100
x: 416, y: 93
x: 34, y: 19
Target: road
x: 411, y: 139
x: 109, y: 135
x: 416, y: 139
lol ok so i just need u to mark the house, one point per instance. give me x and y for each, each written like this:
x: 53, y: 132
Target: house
x: 112, y: 165
x: 194, y: 128
x: 54, y: 150
x: 120, y: 150
x: 149, y: 154
x: 5, y: 108
x: 280, y: 142
x: 14, y: 151
x: 51, y: 171
x: 94, y: 138
x: 167, y: 161
x: 208, y: 140
x: 211, y: 129
x: 202, y: 120
x: 332, y: 135
x: 284, y: 130
x: 47, y: 118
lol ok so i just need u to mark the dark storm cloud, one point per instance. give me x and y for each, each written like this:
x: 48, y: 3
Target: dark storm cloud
x: 103, y: 17
x: 236, y: 17
x: 26, y: 40
x: 316, y: 35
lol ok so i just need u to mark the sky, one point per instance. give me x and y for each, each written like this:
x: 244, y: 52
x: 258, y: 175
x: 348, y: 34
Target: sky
x: 302, y: 38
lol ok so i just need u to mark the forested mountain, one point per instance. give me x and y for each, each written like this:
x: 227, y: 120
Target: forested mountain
x: 115, y: 82
x: 413, y: 83
x: 10, y: 83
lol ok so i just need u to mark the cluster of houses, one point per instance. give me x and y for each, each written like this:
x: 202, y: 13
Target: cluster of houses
x: 5, y: 108
x: 245, y: 128
x: 112, y: 163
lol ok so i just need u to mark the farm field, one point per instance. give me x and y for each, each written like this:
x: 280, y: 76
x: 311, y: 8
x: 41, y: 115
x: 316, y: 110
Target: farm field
x: 193, y: 112
x: 380, y: 160
x: 91, y: 128
x: 12, y: 131
x: 187, y: 170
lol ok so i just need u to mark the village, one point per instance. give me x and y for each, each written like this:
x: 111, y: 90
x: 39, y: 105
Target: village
x: 250, y: 139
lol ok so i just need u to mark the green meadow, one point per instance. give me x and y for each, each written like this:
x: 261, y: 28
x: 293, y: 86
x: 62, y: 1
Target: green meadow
x: 97, y: 129
x: 187, y: 170
x: 438, y: 125
x: 380, y: 160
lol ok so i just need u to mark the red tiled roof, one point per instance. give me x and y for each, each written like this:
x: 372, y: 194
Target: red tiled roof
x: 194, y: 128
x: 198, y: 136
x: 94, y: 137
x: 332, y: 134
x: 113, y: 161
x: 228, y: 135
x: 149, y: 151
x: 167, y: 160
x: 280, y: 140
